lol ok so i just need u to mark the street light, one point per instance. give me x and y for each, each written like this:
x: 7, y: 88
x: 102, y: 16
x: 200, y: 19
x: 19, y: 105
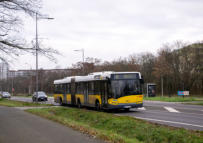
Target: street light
x: 83, y: 57
x: 30, y: 74
x: 37, y: 47
x: 83, y: 54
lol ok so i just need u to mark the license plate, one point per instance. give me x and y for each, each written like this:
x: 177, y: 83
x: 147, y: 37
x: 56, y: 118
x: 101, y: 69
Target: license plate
x: 127, y: 106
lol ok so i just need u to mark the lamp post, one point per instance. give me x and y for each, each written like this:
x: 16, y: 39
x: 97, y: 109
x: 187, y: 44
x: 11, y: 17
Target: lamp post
x: 83, y: 54
x: 30, y: 74
x: 37, y: 47
x: 83, y: 57
x: 162, y: 86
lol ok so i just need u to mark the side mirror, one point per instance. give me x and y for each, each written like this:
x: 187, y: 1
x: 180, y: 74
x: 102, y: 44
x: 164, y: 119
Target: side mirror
x: 108, y: 80
x: 142, y: 80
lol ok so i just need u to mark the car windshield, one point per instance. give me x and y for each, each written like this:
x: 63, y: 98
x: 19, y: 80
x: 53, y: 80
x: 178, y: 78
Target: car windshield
x: 125, y: 87
x: 40, y: 93
x: 5, y: 93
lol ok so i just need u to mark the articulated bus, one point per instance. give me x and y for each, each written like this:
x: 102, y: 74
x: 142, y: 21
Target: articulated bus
x: 102, y: 90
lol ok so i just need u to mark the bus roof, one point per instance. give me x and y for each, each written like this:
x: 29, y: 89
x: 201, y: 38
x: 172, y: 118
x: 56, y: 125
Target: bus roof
x: 91, y: 77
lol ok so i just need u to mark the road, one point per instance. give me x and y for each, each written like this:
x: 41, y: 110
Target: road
x: 29, y: 99
x: 21, y: 127
x: 172, y: 114
x: 167, y: 113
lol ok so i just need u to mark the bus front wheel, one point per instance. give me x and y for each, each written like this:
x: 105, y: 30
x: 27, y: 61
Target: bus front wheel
x: 127, y: 109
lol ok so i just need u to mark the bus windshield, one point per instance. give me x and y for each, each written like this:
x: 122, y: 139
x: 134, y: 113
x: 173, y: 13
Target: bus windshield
x: 122, y: 88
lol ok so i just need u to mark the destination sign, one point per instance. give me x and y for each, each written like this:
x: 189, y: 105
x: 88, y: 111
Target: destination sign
x: 125, y: 76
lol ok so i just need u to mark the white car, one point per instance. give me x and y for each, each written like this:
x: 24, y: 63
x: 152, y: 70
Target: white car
x: 5, y: 95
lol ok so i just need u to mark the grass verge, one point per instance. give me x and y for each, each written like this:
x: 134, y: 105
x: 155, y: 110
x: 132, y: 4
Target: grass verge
x: 196, y: 103
x: 11, y: 103
x: 118, y: 129
x: 173, y: 99
x: 23, y: 95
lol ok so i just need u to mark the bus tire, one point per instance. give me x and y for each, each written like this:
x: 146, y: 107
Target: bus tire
x: 60, y: 102
x: 97, y: 105
x: 79, y: 103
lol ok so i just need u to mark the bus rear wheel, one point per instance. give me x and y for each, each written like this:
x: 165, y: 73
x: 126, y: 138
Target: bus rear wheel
x: 79, y: 103
x: 97, y: 106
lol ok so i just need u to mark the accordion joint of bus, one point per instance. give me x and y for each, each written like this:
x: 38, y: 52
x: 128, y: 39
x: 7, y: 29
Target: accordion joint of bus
x: 101, y: 90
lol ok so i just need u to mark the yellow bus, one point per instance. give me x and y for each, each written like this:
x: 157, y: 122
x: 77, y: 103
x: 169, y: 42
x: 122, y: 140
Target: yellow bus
x: 102, y: 90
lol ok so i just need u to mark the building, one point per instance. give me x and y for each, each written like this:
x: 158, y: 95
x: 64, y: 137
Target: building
x: 4, y: 70
x: 28, y: 73
x: 21, y: 73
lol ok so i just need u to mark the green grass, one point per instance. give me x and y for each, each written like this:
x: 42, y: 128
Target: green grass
x: 118, y: 129
x: 199, y: 103
x: 11, y: 103
x: 173, y: 99
x: 196, y: 103
x: 23, y: 95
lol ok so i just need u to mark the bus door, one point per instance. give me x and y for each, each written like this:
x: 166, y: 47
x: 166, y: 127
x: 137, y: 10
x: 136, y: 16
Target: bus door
x: 104, y: 94
x: 64, y: 87
x: 73, y: 91
x: 86, y: 93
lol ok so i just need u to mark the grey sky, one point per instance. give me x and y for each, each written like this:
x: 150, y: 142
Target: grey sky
x: 109, y: 29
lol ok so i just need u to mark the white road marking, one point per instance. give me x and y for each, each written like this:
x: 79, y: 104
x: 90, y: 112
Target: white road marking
x: 149, y: 119
x: 136, y: 109
x: 142, y: 108
x: 170, y: 109
x: 181, y: 112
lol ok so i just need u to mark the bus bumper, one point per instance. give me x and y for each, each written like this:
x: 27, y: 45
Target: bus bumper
x: 125, y: 106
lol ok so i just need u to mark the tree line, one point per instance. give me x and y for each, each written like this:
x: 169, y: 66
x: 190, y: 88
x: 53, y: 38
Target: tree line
x: 179, y: 65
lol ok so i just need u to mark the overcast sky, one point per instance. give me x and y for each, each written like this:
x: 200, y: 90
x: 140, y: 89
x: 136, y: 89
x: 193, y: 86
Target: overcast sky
x: 109, y: 29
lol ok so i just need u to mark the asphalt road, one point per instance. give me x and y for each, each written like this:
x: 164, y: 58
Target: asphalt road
x: 17, y: 126
x: 29, y: 99
x: 167, y: 113
x: 172, y: 114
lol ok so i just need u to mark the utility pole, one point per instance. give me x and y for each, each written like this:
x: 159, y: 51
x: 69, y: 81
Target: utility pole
x: 83, y: 58
x: 36, y: 55
x: 162, y: 88
x: 12, y: 88
x: 37, y: 47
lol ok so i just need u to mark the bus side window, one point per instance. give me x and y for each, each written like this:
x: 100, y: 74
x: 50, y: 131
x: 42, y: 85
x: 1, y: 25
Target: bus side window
x: 91, y: 87
x: 109, y: 90
x: 55, y: 88
x: 58, y: 89
x: 76, y: 88
x: 68, y: 88
x: 61, y: 88
x: 82, y: 88
x: 97, y: 87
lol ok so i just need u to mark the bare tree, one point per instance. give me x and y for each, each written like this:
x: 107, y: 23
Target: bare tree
x: 11, y: 43
x: 180, y: 65
x: 146, y: 62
